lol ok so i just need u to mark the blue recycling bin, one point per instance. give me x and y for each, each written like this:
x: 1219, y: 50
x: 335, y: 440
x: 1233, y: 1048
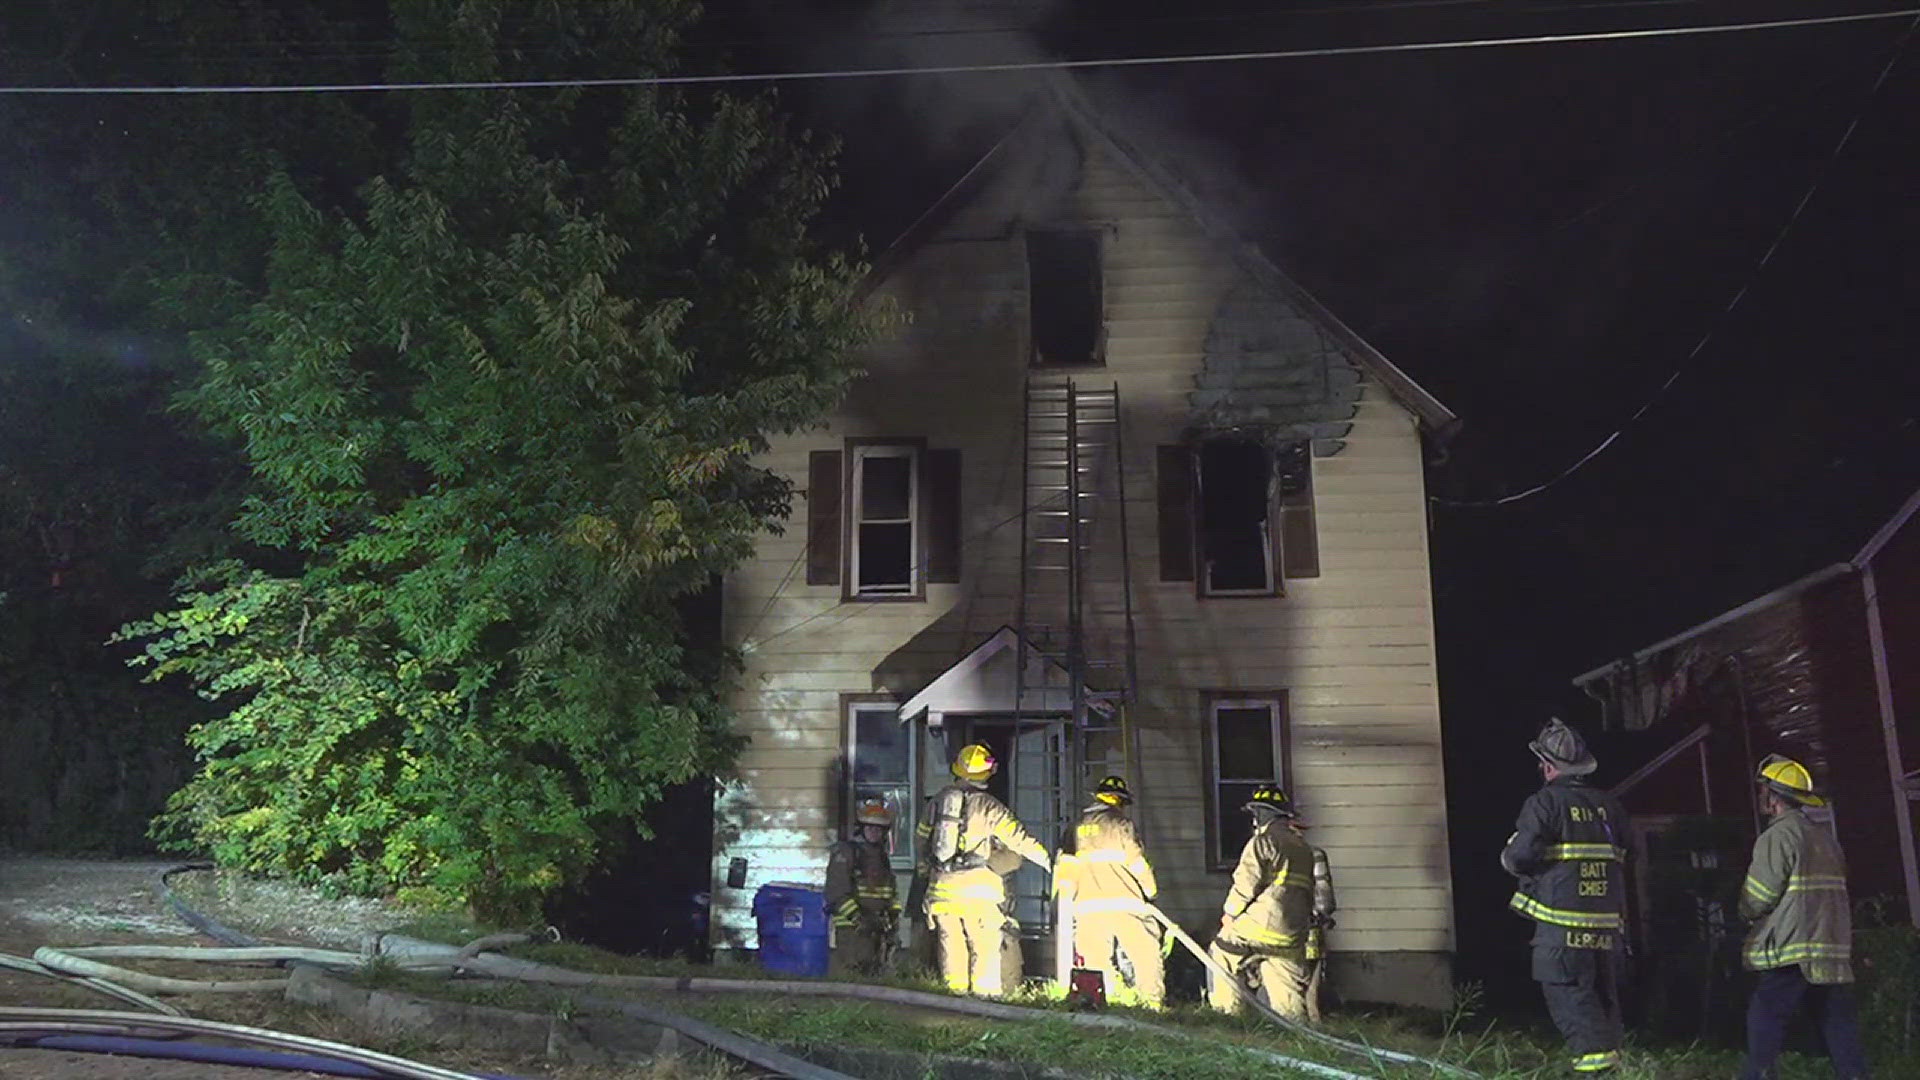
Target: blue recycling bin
x: 793, y: 929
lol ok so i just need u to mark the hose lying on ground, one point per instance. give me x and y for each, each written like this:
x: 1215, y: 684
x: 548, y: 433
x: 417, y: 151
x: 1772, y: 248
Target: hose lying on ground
x: 473, y: 958
x: 78, y: 961
x: 85, y: 982
x: 180, y: 1050
x: 508, y: 967
x: 16, y: 1020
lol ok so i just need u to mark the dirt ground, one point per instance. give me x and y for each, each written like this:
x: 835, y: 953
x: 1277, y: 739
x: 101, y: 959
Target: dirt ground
x: 47, y: 901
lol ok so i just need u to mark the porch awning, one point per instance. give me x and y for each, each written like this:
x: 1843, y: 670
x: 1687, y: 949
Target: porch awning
x: 984, y: 681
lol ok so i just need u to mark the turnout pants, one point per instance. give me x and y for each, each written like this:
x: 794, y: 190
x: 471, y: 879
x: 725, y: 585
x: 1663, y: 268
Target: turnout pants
x: 1776, y: 997
x: 1099, y: 936
x: 856, y: 948
x: 968, y: 940
x: 1582, y: 988
x: 1283, y: 979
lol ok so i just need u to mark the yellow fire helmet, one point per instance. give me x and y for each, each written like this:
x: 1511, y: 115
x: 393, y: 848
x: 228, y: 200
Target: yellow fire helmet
x: 873, y: 811
x: 1787, y: 777
x: 1113, y: 791
x: 1270, y: 797
x: 974, y: 762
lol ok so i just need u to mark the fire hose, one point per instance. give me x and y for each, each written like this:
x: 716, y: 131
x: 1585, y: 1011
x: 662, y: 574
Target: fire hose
x: 507, y: 967
x: 81, y: 965
x: 23, y: 1023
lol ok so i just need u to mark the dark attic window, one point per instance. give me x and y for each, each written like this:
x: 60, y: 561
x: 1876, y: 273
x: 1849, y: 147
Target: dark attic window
x: 1063, y: 296
x: 1236, y: 538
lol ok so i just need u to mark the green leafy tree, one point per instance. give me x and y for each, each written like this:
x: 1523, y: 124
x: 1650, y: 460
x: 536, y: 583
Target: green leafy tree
x: 500, y: 409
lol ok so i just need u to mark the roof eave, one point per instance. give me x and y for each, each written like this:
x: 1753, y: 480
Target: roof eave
x: 1758, y: 603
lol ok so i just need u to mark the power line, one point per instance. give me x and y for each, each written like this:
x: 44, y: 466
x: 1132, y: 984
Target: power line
x: 977, y: 69
x: 1719, y: 319
x: 692, y: 40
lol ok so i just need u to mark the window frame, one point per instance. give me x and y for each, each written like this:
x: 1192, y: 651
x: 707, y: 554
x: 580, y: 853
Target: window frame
x: 857, y: 451
x: 1269, y: 535
x: 907, y: 814
x: 1211, y: 704
x: 1098, y: 231
x: 1306, y: 505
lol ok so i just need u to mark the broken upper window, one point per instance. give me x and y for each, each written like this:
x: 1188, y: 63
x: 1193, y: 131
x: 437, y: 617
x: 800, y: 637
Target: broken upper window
x: 885, y: 517
x: 1065, y: 306
x: 1235, y: 526
x: 1237, y: 516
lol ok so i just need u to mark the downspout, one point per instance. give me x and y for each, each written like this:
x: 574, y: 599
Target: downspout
x: 1883, y: 686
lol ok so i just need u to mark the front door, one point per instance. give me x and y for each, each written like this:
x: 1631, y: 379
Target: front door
x: 1031, y: 752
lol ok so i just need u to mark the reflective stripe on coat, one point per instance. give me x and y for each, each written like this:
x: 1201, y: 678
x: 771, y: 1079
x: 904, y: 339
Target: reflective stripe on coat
x: 1796, y: 893
x: 1270, y: 905
x: 1567, y: 850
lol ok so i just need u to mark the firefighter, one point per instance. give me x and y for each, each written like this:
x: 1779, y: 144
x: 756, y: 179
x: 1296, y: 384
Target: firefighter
x: 1801, y: 943
x: 1264, y: 922
x: 861, y: 891
x: 1567, y: 850
x: 1324, y: 906
x: 964, y: 895
x: 1108, y: 882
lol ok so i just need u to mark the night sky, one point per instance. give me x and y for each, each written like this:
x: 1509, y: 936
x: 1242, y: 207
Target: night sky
x: 1540, y: 236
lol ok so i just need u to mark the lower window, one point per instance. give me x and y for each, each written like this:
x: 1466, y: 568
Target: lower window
x: 1246, y: 747
x: 880, y: 757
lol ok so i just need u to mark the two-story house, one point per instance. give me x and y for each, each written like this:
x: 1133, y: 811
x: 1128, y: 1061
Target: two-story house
x: 1119, y: 497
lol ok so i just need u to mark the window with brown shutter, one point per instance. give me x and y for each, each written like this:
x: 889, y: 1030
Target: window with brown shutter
x: 902, y: 515
x: 823, y: 517
x: 1237, y: 516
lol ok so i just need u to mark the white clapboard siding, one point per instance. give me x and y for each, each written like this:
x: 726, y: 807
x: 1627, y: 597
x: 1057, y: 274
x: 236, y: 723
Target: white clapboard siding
x: 1353, y: 649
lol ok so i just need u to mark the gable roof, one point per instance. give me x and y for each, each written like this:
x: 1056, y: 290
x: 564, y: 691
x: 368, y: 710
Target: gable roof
x: 1063, y: 97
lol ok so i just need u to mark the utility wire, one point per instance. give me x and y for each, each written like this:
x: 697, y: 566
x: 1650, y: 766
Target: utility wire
x: 975, y: 69
x: 693, y: 40
x: 1720, y: 319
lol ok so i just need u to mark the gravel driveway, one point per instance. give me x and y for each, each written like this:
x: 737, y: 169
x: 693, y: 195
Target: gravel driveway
x: 88, y: 902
